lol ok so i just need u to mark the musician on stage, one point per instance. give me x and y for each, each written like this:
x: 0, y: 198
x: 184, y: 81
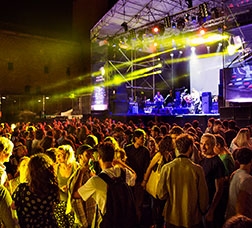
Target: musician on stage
x: 196, y: 100
x: 169, y: 100
x: 158, y: 100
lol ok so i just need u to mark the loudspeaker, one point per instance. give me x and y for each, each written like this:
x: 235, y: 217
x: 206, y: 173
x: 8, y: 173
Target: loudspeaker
x: 120, y: 107
x: 206, y: 102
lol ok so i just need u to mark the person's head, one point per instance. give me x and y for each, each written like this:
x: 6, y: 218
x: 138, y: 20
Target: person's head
x: 91, y: 140
x: 39, y: 134
x: 244, y: 155
x: 217, y: 126
x: 113, y: 141
x: 207, y: 144
x: 155, y: 131
x: 166, y: 144
x: 210, y: 122
x: 175, y: 132
x: 152, y: 146
x: 220, y: 141
x: 231, y: 124
x: 84, y: 153
x: 238, y: 221
x: 242, y: 137
x: 20, y: 150
x: 65, y: 154
x: 22, y: 168
x: 225, y: 124
x: 184, y: 144
x: 51, y: 152
x: 195, y: 124
x: 40, y: 174
x: 139, y: 136
x: 106, y: 152
x: 6, y: 148
x: 121, y: 154
x: 164, y: 129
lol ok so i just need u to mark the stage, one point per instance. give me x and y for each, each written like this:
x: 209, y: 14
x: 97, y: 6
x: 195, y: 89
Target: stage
x: 179, y: 119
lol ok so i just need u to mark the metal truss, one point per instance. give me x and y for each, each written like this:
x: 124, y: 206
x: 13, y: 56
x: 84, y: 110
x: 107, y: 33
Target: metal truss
x: 127, y: 64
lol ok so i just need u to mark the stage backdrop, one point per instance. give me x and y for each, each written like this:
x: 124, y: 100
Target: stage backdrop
x: 204, y: 73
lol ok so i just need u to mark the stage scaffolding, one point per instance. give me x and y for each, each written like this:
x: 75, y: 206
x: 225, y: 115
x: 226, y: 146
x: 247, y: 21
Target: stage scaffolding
x: 121, y: 41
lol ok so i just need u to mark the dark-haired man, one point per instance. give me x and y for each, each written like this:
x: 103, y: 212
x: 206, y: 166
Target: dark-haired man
x: 183, y: 185
x: 138, y: 158
x: 215, y: 175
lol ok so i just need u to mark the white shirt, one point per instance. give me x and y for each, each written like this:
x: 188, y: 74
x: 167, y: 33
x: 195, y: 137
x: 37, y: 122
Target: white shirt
x: 96, y: 188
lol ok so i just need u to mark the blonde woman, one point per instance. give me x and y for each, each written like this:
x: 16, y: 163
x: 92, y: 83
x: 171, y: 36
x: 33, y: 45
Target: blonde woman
x: 65, y: 167
x: 6, y: 148
x: 242, y: 139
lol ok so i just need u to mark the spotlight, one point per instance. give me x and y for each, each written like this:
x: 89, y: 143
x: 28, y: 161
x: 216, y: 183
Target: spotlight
x: 203, y: 10
x: 208, y: 49
x: 202, y: 31
x: 155, y: 30
x: 193, y: 49
x: 167, y: 22
x: 187, y: 17
x: 158, y: 29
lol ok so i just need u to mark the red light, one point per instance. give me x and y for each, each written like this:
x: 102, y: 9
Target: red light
x: 202, y: 32
x: 155, y: 29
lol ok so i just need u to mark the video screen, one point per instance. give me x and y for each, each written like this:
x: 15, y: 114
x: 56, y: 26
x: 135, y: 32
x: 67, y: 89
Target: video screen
x: 238, y: 84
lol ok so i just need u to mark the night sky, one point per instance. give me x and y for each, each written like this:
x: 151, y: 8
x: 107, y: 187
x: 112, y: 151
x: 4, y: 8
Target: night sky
x: 43, y: 15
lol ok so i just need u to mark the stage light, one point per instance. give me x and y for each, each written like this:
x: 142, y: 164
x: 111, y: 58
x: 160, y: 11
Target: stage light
x: 187, y: 17
x: 202, y: 31
x: 158, y: 29
x: 208, y: 49
x: 167, y: 22
x: 125, y: 26
x: 203, y: 10
x: 102, y: 70
x: 219, y: 47
x: 174, y: 44
x: 231, y: 49
x: 155, y: 30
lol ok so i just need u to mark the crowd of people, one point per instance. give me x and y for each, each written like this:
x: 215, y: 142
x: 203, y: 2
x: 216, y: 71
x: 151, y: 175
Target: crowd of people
x: 50, y: 173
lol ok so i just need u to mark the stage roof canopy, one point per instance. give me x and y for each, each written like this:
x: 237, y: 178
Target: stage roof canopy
x: 127, y: 15
x: 139, y: 13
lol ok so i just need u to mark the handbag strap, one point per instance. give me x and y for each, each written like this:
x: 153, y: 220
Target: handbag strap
x: 160, y: 164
